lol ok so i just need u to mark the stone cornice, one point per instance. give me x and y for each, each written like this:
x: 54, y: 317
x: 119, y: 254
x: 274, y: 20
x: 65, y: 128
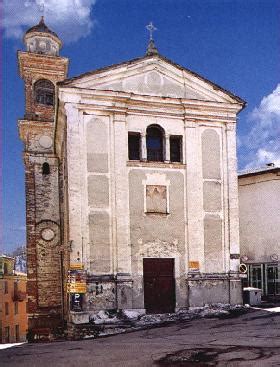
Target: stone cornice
x: 130, y: 103
x: 25, y: 126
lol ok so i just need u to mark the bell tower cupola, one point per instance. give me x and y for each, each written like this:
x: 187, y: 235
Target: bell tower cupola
x: 41, y: 40
x: 41, y: 67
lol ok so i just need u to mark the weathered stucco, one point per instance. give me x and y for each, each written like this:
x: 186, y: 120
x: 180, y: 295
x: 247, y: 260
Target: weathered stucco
x: 157, y: 234
x: 114, y: 212
x: 259, y: 208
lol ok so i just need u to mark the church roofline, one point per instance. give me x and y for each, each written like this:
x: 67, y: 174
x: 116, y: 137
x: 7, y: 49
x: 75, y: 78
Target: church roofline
x: 259, y: 171
x: 93, y: 72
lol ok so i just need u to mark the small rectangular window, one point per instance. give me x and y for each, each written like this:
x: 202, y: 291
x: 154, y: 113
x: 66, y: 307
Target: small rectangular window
x: 176, y: 148
x: 6, y: 287
x: 6, y: 308
x: 134, y: 146
x: 16, y: 308
x: 7, y: 334
x: 17, y: 333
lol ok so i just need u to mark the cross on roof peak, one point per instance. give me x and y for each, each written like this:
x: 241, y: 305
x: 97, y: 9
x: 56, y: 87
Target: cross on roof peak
x: 42, y: 8
x: 151, y: 28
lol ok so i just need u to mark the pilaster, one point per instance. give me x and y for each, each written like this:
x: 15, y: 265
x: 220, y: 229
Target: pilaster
x: 233, y: 210
x: 194, y: 192
x: 75, y: 175
x: 167, y: 148
x: 143, y: 146
x: 121, y: 195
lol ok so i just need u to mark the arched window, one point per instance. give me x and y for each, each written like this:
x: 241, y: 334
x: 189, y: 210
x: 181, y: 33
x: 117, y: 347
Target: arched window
x: 154, y: 142
x: 44, y: 92
x: 45, y: 168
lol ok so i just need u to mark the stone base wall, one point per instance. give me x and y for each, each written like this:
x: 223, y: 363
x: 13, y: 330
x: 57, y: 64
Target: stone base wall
x: 114, y: 292
x: 108, y: 292
x: 211, y: 289
x: 50, y: 321
x: 81, y: 331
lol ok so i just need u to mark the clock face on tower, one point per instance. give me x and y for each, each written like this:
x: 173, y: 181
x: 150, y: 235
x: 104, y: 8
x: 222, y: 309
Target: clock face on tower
x: 45, y: 141
x: 47, y: 234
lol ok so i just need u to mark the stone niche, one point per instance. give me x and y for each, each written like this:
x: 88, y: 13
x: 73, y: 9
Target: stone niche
x: 156, y: 199
x: 210, y: 154
x: 98, y: 191
x: 97, y: 146
x: 212, y: 201
x: 100, y: 252
x: 213, y: 244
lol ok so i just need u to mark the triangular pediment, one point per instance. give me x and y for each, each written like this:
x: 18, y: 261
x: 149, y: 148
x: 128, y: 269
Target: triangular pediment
x: 156, y: 76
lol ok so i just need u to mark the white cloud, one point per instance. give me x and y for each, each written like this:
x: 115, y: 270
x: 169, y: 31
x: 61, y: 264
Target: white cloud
x: 263, y: 140
x: 70, y: 19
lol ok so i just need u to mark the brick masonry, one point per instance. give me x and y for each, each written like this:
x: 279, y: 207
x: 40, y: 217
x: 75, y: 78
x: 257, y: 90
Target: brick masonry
x: 45, y: 253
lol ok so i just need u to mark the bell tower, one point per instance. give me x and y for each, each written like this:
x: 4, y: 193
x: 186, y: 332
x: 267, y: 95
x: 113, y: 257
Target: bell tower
x: 41, y: 68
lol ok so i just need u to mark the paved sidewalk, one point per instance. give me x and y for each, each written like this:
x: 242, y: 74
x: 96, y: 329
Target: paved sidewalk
x: 251, y: 339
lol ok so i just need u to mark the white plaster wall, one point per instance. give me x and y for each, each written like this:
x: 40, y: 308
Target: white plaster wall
x: 259, y: 208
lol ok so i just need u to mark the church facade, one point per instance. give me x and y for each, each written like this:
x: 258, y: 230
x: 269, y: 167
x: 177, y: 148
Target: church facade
x: 131, y: 185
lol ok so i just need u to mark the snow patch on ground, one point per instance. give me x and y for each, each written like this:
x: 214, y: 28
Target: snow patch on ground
x: 104, y: 317
x: 129, y: 320
x: 10, y: 345
x: 272, y: 309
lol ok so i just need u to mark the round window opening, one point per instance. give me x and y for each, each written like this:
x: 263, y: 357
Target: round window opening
x: 47, y: 234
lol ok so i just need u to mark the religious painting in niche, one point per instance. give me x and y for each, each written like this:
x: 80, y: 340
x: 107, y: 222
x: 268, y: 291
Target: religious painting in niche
x: 156, y: 199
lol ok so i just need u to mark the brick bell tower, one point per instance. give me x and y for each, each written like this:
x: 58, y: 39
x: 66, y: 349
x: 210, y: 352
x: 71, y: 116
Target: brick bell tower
x: 41, y: 67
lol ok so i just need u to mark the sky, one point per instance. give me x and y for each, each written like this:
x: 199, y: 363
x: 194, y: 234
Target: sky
x: 234, y: 43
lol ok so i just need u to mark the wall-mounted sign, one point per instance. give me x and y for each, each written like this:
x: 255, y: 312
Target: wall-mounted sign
x: 76, y: 281
x: 76, y: 302
x: 76, y: 287
x: 76, y: 266
x: 243, y: 268
x: 194, y: 265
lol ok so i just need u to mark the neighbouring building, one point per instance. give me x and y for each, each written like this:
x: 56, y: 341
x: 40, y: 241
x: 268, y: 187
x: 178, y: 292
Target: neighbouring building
x: 13, y: 314
x: 259, y: 203
x: 131, y: 185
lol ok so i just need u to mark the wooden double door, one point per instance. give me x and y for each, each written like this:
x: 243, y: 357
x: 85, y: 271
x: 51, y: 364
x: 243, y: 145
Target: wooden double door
x: 159, y: 285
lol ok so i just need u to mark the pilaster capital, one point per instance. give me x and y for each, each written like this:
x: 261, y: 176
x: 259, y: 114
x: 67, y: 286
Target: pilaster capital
x: 70, y: 110
x: 119, y: 117
x: 189, y: 123
x: 231, y: 126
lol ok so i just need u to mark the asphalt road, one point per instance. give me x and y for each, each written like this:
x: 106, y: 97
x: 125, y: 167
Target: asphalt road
x: 251, y: 339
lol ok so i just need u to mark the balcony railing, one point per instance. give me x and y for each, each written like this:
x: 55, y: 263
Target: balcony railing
x: 155, y: 155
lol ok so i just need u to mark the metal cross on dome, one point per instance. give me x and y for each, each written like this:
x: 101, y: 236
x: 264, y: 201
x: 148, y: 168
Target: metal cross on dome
x: 42, y: 7
x: 151, y: 28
